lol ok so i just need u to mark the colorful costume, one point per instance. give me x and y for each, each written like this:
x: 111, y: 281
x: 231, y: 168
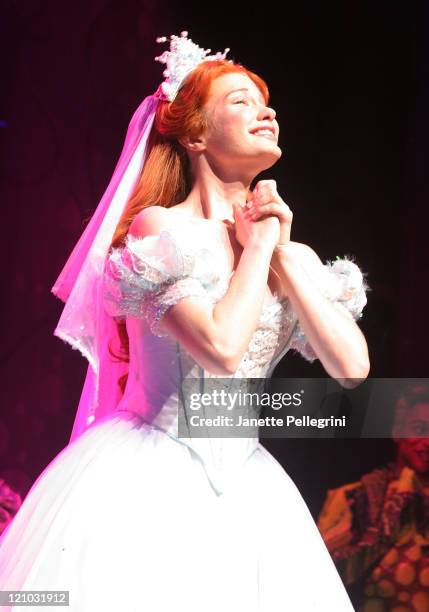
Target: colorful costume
x: 379, y: 526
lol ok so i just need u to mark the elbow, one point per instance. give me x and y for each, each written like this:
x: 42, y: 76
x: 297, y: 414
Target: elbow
x: 220, y: 368
x: 355, y: 372
x: 230, y: 367
x: 227, y: 360
x: 229, y: 364
x: 354, y: 363
x: 217, y: 361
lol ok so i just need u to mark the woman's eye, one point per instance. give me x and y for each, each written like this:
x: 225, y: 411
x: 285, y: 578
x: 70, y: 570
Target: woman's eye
x: 238, y: 101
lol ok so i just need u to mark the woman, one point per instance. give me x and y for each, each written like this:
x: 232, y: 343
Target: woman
x: 201, y: 282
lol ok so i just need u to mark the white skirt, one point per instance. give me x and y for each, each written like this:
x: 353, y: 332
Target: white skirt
x: 125, y: 519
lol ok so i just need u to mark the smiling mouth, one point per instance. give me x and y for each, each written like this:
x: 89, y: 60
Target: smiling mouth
x: 269, y: 135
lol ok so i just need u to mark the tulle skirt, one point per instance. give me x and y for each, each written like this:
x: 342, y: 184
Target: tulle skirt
x: 125, y: 519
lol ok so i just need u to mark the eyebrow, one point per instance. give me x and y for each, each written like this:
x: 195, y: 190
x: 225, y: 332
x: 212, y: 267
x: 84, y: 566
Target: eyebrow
x: 243, y: 89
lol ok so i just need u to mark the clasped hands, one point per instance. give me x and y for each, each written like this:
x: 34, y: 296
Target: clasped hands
x: 265, y: 201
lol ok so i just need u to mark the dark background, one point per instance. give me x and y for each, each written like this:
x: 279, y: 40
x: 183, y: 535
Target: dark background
x: 348, y: 82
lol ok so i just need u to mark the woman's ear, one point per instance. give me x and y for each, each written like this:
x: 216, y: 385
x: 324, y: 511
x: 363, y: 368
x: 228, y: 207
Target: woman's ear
x: 193, y: 143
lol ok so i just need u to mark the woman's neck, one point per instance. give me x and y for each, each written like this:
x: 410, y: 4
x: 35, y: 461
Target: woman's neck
x: 213, y: 199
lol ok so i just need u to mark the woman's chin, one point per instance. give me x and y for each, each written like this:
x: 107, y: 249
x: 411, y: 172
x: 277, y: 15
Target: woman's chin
x: 269, y: 158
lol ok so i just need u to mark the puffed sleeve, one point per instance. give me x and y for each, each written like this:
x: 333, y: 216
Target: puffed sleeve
x: 147, y: 275
x: 342, y: 282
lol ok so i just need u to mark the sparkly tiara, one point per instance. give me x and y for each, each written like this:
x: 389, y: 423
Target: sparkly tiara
x: 183, y: 57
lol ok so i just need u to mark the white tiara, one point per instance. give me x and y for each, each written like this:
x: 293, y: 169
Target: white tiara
x: 183, y: 57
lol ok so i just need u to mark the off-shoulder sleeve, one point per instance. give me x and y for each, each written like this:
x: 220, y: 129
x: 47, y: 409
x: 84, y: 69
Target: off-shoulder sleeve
x: 342, y: 282
x: 148, y: 275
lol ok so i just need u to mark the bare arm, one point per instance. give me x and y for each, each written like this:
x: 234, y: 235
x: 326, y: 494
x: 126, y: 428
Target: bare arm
x: 331, y: 330
x: 217, y: 336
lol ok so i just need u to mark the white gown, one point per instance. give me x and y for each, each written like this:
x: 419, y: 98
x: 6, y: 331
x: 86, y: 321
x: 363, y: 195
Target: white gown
x: 129, y: 517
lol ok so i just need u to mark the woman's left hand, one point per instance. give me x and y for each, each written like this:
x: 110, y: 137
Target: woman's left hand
x: 265, y: 201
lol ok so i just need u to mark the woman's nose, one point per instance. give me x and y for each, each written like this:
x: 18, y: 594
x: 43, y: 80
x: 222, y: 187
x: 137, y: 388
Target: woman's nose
x: 268, y: 113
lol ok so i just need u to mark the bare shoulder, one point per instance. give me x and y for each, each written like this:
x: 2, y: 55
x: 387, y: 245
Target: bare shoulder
x: 150, y: 221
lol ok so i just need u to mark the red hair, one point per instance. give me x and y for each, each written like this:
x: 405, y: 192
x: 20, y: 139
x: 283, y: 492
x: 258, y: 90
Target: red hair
x: 165, y: 179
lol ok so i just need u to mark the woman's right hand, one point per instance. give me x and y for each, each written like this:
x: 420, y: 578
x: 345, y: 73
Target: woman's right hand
x: 265, y: 230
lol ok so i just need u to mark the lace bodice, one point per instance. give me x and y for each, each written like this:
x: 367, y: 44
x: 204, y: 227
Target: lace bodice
x: 146, y: 276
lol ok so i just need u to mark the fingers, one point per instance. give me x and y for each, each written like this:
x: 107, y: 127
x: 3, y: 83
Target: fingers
x: 241, y: 212
x: 266, y: 184
x: 265, y: 192
x: 238, y: 209
x: 265, y: 201
x: 273, y: 208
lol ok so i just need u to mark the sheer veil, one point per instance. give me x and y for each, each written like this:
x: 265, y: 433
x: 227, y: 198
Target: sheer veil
x: 84, y: 324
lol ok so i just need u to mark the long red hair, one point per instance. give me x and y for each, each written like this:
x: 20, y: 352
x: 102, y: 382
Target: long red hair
x: 165, y: 179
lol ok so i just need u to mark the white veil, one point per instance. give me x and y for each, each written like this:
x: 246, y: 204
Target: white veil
x: 84, y: 324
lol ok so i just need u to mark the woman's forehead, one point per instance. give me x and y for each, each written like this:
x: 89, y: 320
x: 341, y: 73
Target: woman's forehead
x: 227, y: 83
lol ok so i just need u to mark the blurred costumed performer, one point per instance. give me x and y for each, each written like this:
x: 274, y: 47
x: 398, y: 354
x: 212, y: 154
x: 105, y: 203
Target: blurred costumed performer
x: 377, y: 529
